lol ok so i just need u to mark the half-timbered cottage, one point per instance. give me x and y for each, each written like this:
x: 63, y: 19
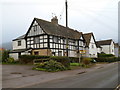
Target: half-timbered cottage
x: 48, y: 38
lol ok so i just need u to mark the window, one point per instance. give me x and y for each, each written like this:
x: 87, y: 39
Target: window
x: 92, y: 46
x: 36, y: 40
x: 35, y: 28
x: 19, y: 43
x: 60, y: 53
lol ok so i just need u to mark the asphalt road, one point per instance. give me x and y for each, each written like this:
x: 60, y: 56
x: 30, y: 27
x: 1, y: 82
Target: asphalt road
x: 104, y: 77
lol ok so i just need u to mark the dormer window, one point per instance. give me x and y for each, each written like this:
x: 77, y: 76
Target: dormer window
x: 19, y: 43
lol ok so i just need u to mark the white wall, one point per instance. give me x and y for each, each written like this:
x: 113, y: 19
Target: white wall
x: 108, y: 49
x: 15, y: 44
x: 33, y: 32
x: 14, y: 55
x: 92, y: 48
x: 99, y: 50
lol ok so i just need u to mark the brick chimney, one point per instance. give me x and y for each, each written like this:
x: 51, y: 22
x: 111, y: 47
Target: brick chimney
x: 54, y: 20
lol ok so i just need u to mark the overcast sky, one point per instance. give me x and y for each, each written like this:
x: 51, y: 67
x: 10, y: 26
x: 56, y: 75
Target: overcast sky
x: 97, y: 16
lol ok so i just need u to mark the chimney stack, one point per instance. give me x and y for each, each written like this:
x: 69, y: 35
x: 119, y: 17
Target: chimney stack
x: 54, y: 20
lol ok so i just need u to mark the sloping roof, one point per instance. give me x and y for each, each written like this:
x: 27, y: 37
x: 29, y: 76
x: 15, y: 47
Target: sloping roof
x: 105, y: 42
x: 87, y: 38
x: 21, y: 37
x: 58, y: 30
x: 98, y: 45
x: 116, y: 45
x: 19, y: 50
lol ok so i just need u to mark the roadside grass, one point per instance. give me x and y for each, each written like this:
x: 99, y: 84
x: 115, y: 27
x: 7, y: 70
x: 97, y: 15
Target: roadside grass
x: 80, y: 65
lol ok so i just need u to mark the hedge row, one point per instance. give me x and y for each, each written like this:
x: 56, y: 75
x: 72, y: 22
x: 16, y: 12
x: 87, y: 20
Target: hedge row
x: 32, y: 58
x: 107, y: 59
x: 62, y: 59
x: 29, y: 58
x: 105, y: 55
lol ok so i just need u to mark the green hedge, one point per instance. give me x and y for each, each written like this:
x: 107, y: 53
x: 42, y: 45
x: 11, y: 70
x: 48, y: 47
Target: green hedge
x: 107, y: 59
x: 62, y: 59
x: 29, y: 58
x: 105, y: 55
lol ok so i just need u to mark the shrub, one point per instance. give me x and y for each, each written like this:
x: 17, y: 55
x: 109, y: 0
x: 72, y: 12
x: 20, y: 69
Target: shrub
x: 50, y: 66
x: 29, y: 58
x: 74, y: 59
x: 105, y: 55
x: 86, y: 61
x: 62, y: 59
x: 5, y: 55
x: 10, y: 60
x: 107, y: 59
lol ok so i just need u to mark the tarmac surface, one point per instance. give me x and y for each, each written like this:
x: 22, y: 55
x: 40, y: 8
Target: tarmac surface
x: 21, y: 76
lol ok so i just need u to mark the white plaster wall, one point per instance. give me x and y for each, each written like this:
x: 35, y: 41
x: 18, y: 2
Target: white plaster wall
x: 37, y: 32
x: 72, y: 54
x: 116, y: 52
x: 112, y: 49
x: 15, y: 44
x: 92, y: 51
x: 14, y: 55
x: 25, y: 53
x: 106, y: 49
x: 99, y: 50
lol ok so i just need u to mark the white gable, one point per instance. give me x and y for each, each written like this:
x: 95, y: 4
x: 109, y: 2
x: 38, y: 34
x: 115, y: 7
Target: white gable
x: 81, y: 38
x: 35, y: 30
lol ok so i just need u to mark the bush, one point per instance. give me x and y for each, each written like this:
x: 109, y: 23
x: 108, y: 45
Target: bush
x: 74, y: 59
x: 107, y: 59
x: 50, y: 66
x: 29, y: 58
x: 105, y: 55
x: 5, y: 55
x: 62, y: 59
x: 86, y: 61
x: 10, y: 60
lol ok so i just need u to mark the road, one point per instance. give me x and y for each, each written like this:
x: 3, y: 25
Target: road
x: 104, y: 77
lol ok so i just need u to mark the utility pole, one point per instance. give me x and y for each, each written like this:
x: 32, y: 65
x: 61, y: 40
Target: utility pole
x: 66, y: 5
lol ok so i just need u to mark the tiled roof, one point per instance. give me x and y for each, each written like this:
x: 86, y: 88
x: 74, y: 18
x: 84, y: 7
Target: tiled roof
x: 105, y: 42
x: 58, y: 30
x: 87, y: 38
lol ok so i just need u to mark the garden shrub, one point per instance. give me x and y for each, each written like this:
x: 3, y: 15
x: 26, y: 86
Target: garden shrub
x: 50, y: 66
x: 74, y: 59
x: 62, y: 59
x: 105, y: 55
x: 86, y: 61
x: 5, y: 55
x: 107, y: 59
x: 10, y: 60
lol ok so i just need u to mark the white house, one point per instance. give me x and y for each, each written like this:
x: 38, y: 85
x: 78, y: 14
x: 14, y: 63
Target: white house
x: 108, y: 46
x: 91, y: 47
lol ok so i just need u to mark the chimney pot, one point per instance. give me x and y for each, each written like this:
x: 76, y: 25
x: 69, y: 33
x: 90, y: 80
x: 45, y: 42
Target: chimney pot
x: 54, y: 20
